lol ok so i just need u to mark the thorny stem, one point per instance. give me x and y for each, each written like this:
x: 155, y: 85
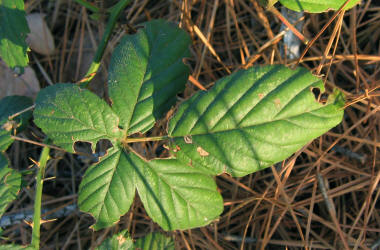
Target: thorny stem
x: 115, y: 12
x: 37, y: 201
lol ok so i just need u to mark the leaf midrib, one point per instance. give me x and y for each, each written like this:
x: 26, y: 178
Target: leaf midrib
x: 259, y: 124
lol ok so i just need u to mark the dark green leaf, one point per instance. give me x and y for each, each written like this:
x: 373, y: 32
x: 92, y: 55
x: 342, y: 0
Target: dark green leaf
x: 252, y: 119
x: 13, y: 31
x: 146, y: 72
x: 68, y: 114
x: 317, y: 6
x: 10, y: 105
x: 10, y: 182
x: 174, y: 195
x: 155, y: 241
x: 108, y: 188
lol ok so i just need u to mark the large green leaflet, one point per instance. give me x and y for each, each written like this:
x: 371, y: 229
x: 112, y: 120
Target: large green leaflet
x: 155, y: 241
x: 146, y: 72
x: 10, y: 182
x: 317, y: 6
x: 108, y: 188
x: 252, y: 119
x: 174, y: 195
x: 11, y: 105
x: 68, y: 114
x: 13, y: 31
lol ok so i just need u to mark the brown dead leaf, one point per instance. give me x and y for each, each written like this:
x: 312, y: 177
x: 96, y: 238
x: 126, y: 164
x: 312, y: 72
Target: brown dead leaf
x: 40, y: 38
x: 26, y: 84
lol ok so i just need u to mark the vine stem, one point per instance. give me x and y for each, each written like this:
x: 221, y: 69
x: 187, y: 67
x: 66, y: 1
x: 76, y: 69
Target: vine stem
x: 44, y: 157
x: 115, y: 12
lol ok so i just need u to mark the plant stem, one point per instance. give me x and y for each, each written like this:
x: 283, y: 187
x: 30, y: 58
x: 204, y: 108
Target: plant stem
x: 88, y: 5
x: 154, y: 138
x: 115, y: 12
x: 37, y: 201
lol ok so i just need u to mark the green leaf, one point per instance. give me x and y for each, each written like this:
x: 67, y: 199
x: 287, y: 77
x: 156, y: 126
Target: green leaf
x: 68, y: 114
x: 120, y: 241
x: 317, y: 6
x: 146, y: 72
x: 155, y: 241
x: 174, y: 195
x: 5, y: 139
x: 10, y: 105
x: 252, y: 119
x: 13, y: 31
x: 10, y: 182
x: 108, y: 188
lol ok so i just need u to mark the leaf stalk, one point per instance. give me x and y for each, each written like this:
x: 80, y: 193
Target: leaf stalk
x: 115, y: 12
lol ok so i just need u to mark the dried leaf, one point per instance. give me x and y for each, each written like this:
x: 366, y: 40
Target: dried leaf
x: 40, y: 38
x: 26, y: 84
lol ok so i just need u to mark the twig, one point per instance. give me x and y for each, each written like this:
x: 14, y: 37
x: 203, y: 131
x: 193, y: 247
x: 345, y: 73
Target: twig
x: 21, y: 112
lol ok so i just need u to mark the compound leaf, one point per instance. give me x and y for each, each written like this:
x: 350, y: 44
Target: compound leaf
x: 155, y: 241
x: 146, y: 72
x: 13, y: 31
x: 108, y: 188
x: 176, y: 196
x: 10, y: 105
x: 67, y: 113
x: 252, y: 119
x: 119, y: 241
x: 317, y: 6
x: 10, y: 182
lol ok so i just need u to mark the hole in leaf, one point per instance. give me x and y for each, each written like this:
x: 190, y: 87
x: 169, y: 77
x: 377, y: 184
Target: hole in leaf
x: 316, y: 92
x: 319, y: 97
x: 85, y: 152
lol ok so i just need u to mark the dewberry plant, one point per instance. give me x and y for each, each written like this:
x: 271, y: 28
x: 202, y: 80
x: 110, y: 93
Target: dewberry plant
x: 246, y: 122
